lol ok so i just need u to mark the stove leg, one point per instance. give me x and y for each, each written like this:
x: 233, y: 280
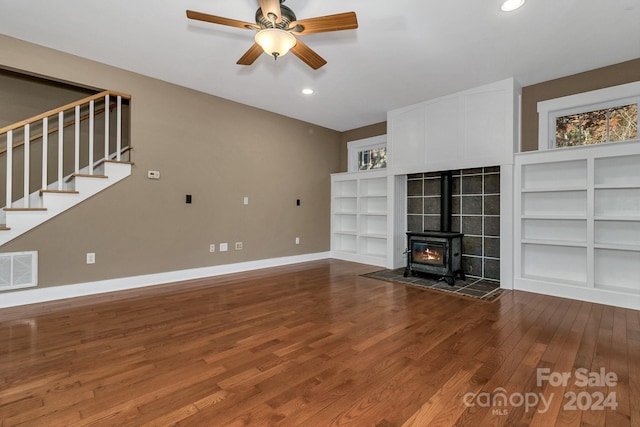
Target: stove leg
x: 450, y: 278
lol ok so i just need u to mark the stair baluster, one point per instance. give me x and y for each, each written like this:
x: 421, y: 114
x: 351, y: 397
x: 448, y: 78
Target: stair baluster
x: 27, y: 164
x: 9, y: 201
x: 45, y: 151
x: 60, y: 151
x: 106, y: 126
x: 91, y: 130
x: 119, y: 129
x: 76, y: 168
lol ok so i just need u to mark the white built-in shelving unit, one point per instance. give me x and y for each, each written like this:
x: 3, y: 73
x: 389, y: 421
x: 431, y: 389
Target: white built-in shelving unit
x: 578, y: 223
x: 359, y: 227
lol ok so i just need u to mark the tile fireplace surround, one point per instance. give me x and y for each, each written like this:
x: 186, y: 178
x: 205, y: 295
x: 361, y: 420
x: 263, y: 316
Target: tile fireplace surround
x: 476, y: 213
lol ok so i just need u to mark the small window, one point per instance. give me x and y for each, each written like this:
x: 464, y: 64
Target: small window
x: 615, y: 124
x: 367, y: 154
x: 373, y: 158
x: 596, y: 117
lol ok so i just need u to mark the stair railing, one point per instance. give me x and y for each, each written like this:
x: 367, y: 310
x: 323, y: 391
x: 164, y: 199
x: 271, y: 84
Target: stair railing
x: 58, y: 115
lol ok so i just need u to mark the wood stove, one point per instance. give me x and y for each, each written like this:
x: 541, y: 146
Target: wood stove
x: 437, y: 252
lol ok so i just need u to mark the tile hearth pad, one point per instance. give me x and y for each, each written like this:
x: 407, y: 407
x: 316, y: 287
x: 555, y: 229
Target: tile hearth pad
x: 473, y: 287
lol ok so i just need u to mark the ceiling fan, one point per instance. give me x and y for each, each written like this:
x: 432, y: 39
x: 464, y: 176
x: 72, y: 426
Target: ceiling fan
x: 276, y: 27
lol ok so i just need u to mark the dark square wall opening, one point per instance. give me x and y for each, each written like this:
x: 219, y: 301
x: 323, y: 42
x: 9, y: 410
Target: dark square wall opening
x: 475, y: 213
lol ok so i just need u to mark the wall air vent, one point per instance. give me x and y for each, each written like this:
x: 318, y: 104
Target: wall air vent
x: 18, y: 270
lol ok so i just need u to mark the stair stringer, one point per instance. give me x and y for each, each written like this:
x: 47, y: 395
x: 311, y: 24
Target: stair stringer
x: 19, y: 222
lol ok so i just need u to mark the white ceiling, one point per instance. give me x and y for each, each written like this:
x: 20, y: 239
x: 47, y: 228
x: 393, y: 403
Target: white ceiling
x: 404, y: 51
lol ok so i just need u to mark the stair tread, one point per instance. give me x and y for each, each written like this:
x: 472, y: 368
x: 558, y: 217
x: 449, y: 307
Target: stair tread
x: 60, y: 191
x: 83, y: 175
x: 86, y: 175
x: 124, y: 162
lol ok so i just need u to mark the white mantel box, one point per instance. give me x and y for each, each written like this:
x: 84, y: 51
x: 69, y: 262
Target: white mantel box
x: 474, y: 128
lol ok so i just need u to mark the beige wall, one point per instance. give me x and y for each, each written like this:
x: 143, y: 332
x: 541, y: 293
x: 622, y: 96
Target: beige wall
x: 24, y: 96
x: 613, y: 75
x: 216, y: 150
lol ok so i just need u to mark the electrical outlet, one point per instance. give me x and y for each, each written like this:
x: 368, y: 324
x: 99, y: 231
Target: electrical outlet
x: 246, y: 200
x: 153, y: 174
x: 297, y: 240
x: 212, y: 247
x: 224, y: 247
x: 238, y: 246
x: 91, y: 258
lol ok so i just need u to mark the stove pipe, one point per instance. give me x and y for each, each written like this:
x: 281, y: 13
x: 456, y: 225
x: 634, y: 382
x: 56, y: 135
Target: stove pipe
x: 446, y: 190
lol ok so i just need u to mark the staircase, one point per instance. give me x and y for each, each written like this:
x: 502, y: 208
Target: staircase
x: 59, y: 158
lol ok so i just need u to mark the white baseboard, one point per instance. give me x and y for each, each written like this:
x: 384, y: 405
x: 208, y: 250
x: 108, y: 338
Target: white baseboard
x: 32, y: 296
x: 362, y: 259
x: 599, y: 296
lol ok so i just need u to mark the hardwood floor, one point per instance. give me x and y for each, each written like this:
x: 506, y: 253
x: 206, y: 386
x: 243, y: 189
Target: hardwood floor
x: 316, y: 344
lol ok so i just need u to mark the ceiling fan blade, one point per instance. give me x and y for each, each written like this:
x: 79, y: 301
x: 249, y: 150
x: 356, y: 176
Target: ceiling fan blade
x: 199, y: 16
x: 270, y: 9
x: 307, y: 55
x: 323, y: 24
x: 251, y: 55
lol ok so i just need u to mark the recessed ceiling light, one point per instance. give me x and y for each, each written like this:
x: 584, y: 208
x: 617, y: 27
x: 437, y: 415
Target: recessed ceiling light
x: 307, y: 91
x: 509, y: 5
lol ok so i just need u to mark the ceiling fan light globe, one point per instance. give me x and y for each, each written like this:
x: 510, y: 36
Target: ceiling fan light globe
x: 275, y: 42
x: 509, y: 5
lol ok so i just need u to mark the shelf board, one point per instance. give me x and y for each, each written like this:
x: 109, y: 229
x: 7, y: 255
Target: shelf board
x: 346, y: 197
x: 345, y: 232
x: 552, y: 189
x: 616, y: 187
x: 376, y: 195
x: 616, y: 218
x: 346, y: 213
x: 554, y: 243
x: 617, y: 247
x: 373, y: 214
x: 374, y: 235
x: 569, y: 217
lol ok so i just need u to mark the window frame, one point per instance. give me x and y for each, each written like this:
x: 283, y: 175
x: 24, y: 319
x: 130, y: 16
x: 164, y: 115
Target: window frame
x: 355, y: 147
x: 601, y: 99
